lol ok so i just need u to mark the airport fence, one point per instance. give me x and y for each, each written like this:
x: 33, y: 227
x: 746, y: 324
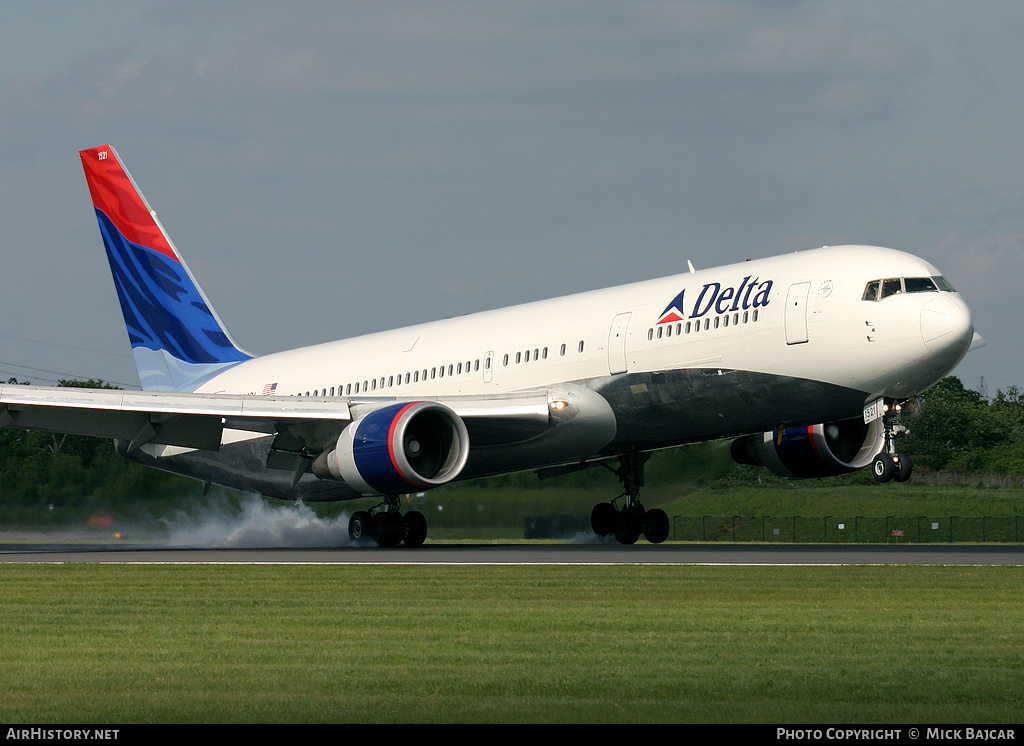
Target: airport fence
x: 808, y: 529
x: 829, y: 529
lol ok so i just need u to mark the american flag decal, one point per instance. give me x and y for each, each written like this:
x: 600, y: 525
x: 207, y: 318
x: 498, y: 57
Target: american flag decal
x: 269, y: 389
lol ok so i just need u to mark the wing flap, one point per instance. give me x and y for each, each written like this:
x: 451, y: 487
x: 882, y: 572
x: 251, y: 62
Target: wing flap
x: 138, y: 428
x: 186, y: 420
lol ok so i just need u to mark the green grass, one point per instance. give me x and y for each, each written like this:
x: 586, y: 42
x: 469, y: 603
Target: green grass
x: 124, y: 644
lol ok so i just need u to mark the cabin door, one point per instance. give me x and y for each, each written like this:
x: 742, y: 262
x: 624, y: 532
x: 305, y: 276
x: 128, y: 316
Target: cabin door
x: 796, y: 313
x: 617, y: 344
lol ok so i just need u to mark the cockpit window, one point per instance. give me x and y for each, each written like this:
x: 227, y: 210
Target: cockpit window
x: 920, y: 285
x: 879, y: 289
x: 891, y: 287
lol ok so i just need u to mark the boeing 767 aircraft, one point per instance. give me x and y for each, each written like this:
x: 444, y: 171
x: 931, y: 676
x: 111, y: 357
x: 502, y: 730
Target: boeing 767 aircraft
x: 804, y: 359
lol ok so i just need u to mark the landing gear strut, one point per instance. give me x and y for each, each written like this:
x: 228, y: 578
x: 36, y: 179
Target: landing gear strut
x: 387, y: 527
x: 630, y: 519
x: 890, y: 464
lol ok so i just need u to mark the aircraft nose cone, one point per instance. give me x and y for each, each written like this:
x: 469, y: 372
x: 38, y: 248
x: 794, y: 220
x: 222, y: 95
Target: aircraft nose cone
x: 946, y: 326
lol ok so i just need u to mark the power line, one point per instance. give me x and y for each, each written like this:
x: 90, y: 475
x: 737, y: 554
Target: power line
x: 66, y: 347
x: 67, y: 376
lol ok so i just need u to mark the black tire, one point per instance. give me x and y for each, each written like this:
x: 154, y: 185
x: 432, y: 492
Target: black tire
x: 360, y: 528
x: 415, y: 529
x: 658, y: 526
x: 904, y: 468
x: 602, y: 519
x: 882, y: 467
x: 627, y: 527
x: 389, y: 529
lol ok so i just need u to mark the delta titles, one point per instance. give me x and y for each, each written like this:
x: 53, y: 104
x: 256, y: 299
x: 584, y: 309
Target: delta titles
x: 750, y: 293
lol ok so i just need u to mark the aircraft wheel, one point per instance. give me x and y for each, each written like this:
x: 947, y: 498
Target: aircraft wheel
x: 602, y: 519
x: 627, y: 527
x: 415, y: 529
x: 360, y: 527
x: 658, y: 526
x: 388, y: 529
x: 882, y: 467
x: 903, y: 468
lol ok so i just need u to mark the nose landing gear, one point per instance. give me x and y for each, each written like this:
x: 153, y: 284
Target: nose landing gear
x: 889, y: 464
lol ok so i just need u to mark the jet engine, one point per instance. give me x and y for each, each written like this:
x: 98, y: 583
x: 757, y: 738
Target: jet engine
x: 814, y: 451
x: 400, y: 448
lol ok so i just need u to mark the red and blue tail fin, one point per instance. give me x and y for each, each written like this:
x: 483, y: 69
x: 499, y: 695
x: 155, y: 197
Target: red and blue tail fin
x: 177, y: 338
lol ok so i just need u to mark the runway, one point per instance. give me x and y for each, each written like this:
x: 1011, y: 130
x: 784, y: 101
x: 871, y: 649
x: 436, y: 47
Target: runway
x: 531, y: 554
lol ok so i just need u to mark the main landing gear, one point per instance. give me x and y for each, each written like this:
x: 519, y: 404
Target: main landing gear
x: 387, y: 527
x: 628, y: 520
x: 890, y: 464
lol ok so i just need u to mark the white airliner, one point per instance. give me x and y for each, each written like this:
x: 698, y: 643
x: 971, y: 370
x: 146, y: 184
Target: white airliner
x: 803, y: 358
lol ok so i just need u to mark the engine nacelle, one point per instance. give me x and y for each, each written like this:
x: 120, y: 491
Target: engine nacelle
x: 815, y: 451
x: 400, y: 448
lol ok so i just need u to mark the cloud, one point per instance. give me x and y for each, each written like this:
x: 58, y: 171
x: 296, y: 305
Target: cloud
x: 315, y: 157
x: 983, y: 268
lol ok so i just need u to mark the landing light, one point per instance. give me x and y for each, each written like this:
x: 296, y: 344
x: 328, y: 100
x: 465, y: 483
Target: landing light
x: 559, y: 404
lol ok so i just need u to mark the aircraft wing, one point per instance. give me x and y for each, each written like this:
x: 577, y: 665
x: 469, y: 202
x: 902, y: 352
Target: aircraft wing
x: 192, y: 420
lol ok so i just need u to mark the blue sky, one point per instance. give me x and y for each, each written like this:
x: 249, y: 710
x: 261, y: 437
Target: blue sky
x: 336, y: 168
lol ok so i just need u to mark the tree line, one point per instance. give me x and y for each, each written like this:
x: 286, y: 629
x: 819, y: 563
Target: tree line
x: 39, y: 469
x: 957, y: 429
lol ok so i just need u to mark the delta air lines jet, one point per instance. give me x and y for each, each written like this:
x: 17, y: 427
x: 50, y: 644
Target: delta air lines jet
x: 803, y: 359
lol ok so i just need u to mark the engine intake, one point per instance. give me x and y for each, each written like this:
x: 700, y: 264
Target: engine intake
x: 400, y: 448
x: 815, y: 451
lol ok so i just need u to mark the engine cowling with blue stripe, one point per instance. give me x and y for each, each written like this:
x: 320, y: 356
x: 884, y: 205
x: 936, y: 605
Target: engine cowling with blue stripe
x: 399, y: 448
x: 814, y: 451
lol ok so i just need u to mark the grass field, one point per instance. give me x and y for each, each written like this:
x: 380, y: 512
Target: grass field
x: 344, y: 644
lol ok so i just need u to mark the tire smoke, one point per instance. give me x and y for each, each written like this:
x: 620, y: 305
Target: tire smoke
x: 253, y: 523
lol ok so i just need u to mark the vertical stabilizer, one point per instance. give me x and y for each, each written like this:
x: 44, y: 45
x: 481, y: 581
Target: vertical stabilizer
x: 177, y: 338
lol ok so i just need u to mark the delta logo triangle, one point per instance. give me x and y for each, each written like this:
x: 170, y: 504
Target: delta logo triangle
x: 673, y: 311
